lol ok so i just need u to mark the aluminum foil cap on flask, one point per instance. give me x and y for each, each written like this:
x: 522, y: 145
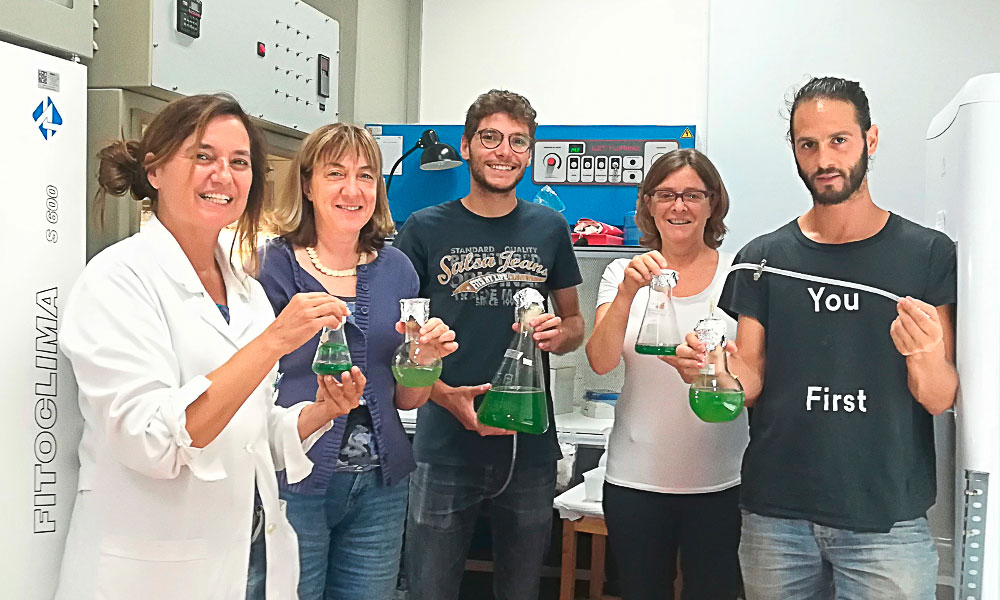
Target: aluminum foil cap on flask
x: 418, y: 309
x: 525, y: 297
x: 712, y: 331
x: 667, y: 279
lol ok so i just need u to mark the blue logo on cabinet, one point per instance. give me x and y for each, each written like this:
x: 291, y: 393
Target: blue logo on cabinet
x: 48, y: 118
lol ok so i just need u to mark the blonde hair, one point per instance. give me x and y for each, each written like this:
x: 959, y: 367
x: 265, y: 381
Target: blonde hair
x: 293, y: 216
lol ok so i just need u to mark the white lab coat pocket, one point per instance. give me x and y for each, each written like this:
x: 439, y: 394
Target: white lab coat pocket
x: 130, y: 568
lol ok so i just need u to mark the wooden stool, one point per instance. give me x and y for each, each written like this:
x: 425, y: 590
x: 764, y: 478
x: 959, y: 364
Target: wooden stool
x: 567, y: 583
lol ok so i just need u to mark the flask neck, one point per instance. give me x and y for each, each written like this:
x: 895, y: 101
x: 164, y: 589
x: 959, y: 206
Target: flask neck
x: 715, y: 362
x: 524, y: 317
x: 659, y: 299
x: 412, y: 331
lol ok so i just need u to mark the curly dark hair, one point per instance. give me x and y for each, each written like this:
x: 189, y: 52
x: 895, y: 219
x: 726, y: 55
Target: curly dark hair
x: 499, y: 101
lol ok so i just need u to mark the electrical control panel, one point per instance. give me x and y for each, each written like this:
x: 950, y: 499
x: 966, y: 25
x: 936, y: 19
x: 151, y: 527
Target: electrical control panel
x: 189, y: 17
x: 279, y: 58
x: 594, y: 169
x: 590, y: 162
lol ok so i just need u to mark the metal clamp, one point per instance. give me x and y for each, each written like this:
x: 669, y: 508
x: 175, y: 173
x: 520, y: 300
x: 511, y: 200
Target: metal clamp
x: 760, y: 270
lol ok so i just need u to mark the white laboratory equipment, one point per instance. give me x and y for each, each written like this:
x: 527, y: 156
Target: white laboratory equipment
x: 43, y: 116
x: 963, y: 192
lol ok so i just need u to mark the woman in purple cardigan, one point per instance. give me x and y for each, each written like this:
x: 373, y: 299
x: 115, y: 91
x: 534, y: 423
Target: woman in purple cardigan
x: 332, y: 220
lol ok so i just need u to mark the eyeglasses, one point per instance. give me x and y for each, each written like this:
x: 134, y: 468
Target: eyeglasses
x: 687, y: 196
x: 491, y: 138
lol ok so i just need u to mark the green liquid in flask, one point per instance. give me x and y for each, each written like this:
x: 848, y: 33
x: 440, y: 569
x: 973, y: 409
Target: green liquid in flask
x: 325, y: 364
x: 515, y: 408
x: 670, y: 350
x: 716, y: 406
x: 413, y: 377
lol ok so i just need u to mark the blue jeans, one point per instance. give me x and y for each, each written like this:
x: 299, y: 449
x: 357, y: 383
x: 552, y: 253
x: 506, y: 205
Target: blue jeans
x: 445, y: 502
x: 799, y: 560
x: 257, y: 573
x: 349, y: 539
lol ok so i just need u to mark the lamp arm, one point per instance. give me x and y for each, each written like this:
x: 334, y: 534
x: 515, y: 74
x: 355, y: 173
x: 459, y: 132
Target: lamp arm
x: 392, y: 171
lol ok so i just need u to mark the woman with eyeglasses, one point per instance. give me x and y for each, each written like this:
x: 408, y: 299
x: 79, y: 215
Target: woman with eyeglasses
x: 672, y: 482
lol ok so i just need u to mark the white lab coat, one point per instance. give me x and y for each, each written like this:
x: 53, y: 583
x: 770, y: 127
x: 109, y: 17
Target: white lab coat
x: 168, y: 520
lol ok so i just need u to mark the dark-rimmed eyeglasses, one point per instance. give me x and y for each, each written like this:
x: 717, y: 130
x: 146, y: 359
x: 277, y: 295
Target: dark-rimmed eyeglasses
x: 686, y: 196
x: 491, y: 138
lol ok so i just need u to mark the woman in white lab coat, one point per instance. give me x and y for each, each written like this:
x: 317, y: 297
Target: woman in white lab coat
x: 174, y: 351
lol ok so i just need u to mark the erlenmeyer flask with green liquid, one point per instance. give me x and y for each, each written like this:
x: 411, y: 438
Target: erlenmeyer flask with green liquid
x: 516, y: 401
x: 415, y: 364
x: 659, y: 334
x: 716, y: 396
x: 333, y: 357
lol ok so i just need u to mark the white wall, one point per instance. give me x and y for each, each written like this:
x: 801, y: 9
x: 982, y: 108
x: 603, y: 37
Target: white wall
x: 724, y: 65
x: 578, y: 61
x: 911, y: 57
x: 380, y: 85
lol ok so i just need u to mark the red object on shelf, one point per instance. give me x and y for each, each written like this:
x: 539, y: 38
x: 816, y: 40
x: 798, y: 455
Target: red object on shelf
x: 588, y: 232
x: 596, y: 239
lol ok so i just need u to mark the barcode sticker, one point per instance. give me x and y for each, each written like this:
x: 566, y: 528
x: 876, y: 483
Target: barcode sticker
x: 47, y: 80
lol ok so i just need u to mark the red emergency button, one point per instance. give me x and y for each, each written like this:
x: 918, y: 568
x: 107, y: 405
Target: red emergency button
x: 261, y: 49
x: 551, y: 161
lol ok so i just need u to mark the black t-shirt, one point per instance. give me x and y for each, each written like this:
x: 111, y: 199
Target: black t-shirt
x: 470, y: 267
x: 836, y: 436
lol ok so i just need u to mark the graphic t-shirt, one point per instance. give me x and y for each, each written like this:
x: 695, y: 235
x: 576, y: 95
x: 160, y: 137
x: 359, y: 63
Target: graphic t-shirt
x: 836, y: 437
x: 470, y: 267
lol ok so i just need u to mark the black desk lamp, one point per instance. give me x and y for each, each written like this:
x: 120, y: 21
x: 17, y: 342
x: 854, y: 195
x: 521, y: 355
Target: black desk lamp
x: 437, y: 155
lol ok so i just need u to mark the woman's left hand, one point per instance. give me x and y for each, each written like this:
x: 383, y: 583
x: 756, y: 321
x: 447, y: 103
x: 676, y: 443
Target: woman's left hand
x: 435, y: 335
x: 336, y: 398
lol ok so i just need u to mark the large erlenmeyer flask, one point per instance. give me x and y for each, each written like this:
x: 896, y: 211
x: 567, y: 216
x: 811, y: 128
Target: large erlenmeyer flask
x: 332, y: 355
x: 516, y: 400
x: 415, y: 365
x: 716, y: 396
x: 659, y: 333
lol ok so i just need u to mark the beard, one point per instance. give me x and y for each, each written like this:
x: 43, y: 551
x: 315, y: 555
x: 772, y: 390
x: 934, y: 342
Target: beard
x: 477, y: 169
x: 852, y: 181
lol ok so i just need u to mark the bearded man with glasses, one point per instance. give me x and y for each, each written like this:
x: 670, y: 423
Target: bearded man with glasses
x: 472, y: 255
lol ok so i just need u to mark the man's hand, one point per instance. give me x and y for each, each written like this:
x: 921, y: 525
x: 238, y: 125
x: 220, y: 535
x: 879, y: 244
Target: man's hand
x: 548, y: 335
x: 460, y: 402
x: 917, y: 329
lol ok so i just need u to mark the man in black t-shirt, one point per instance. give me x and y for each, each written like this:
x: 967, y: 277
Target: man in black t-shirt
x: 839, y: 472
x: 472, y: 256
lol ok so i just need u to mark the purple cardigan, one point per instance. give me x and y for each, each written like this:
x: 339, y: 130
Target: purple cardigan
x: 373, y: 340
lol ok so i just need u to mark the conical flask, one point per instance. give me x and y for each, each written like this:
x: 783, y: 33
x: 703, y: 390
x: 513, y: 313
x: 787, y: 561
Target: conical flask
x: 516, y: 400
x: 415, y: 364
x: 659, y: 333
x: 332, y: 355
x: 716, y: 396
